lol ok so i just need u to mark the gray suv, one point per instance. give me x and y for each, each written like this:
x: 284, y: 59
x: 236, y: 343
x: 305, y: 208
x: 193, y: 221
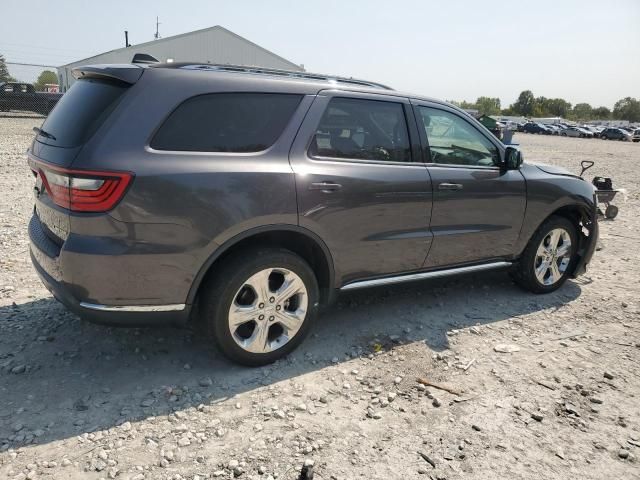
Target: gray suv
x: 242, y: 199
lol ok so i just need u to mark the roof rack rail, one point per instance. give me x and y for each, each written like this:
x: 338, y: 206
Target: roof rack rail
x: 275, y: 71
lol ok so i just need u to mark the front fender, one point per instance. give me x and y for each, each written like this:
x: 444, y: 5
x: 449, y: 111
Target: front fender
x: 548, y: 194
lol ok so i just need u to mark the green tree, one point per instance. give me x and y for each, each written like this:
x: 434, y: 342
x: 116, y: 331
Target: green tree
x: 556, y: 107
x: 539, y: 107
x: 582, y: 111
x: 525, y: 104
x: 468, y: 105
x: 47, y: 76
x: 488, y: 105
x: 601, y: 113
x: 627, y: 109
x: 4, y: 71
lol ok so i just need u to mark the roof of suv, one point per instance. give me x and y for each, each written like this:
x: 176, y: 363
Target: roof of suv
x: 284, y: 74
x: 130, y: 73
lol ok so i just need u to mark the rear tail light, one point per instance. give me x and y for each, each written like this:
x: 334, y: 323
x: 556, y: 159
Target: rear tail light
x: 83, y: 190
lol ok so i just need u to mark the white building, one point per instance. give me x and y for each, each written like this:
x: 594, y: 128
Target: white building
x: 210, y: 45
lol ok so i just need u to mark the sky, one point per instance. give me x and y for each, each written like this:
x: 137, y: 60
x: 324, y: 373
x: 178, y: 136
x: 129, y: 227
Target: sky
x: 579, y: 50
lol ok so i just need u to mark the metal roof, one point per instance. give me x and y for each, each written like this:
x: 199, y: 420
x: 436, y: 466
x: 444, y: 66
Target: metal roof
x: 137, y: 47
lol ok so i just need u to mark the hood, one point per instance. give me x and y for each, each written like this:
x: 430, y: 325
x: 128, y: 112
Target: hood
x: 554, y: 170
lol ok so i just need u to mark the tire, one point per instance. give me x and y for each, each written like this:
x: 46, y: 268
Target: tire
x: 524, y: 273
x: 611, y: 212
x: 270, y: 267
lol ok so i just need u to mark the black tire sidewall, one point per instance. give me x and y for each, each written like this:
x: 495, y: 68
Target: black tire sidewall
x: 221, y: 292
x: 525, y: 274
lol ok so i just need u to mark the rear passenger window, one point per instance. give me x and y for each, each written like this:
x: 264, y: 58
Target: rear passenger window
x: 226, y: 122
x: 362, y: 129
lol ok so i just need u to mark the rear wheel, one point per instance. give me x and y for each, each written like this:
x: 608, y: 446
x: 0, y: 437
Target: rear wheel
x: 547, y: 260
x: 260, y: 305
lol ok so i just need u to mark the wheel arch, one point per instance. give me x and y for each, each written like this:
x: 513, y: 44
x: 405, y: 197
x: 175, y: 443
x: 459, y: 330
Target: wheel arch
x: 292, y: 237
x: 581, y: 215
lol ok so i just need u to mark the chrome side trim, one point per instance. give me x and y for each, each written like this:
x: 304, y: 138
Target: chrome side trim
x: 421, y: 276
x: 133, y: 308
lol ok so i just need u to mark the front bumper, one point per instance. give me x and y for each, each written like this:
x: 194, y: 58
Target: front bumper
x: 589, y: 244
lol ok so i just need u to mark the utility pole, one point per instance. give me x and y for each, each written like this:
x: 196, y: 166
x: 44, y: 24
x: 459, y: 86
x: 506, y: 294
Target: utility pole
x: 157, y: 34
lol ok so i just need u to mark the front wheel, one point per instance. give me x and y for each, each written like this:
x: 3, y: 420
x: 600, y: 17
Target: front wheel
x: 260, y: 305
x: 548, y: 258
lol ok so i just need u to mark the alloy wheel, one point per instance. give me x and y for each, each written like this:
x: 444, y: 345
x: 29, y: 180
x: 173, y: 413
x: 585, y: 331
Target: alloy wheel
x: 268, y: 310
x: 553, y: 256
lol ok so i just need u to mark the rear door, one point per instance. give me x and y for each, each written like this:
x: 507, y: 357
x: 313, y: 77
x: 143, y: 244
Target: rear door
x: 361, y: 185
x: 478, y: 208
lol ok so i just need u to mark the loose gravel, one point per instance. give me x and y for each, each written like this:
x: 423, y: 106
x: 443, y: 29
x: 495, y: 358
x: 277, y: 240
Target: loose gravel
x: 513, y: 385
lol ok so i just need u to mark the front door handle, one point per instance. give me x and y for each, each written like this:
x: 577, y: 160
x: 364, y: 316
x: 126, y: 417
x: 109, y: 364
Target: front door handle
x: 325, y: 187
x: 450, y: 186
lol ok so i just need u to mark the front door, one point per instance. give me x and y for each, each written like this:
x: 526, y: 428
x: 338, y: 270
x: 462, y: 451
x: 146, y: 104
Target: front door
x: 361, y: 186
x: 478, y: 208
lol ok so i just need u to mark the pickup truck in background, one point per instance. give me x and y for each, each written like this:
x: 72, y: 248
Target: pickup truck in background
x: 23, y: 97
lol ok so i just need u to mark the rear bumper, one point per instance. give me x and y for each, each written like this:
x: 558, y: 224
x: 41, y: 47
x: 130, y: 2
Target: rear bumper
x: 114, y: 315
x: 45, y: 258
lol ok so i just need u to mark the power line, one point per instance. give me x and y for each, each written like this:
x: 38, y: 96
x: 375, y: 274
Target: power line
x: 30, y: 65
x: 44, y: 48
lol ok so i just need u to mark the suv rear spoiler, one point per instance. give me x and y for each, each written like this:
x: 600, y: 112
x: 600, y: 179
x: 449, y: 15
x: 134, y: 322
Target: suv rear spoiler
x: 124, y: 73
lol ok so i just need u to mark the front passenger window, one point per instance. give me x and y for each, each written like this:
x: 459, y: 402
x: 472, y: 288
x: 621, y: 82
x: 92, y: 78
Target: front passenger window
x: 454, y: 141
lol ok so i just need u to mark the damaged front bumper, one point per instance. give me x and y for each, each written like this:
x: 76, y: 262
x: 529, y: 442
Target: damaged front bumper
x: 588, y: 242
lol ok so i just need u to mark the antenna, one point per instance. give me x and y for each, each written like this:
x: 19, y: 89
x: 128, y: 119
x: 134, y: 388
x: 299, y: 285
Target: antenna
x: 157, y: 34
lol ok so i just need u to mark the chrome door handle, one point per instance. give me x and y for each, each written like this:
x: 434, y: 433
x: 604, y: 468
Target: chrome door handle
x: 325, y: 187
x: 450, y: 186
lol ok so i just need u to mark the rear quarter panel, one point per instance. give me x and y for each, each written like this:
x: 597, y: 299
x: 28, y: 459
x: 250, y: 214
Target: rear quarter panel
x: 182, y: 206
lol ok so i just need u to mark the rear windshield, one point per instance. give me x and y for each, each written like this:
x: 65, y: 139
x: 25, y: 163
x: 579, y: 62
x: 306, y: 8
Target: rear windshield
x: 226, y: 122
x: 80, y: 112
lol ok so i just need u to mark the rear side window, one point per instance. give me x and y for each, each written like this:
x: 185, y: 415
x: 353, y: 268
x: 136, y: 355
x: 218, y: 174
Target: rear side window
x: 226, y: 122
x: 362, y: 129
x: 80, y: 112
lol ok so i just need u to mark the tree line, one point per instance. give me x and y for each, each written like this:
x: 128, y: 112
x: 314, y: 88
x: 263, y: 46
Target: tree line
x: 528, y: 105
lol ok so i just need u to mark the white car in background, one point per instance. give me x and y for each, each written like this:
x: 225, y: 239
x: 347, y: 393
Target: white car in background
x: 576, y: 132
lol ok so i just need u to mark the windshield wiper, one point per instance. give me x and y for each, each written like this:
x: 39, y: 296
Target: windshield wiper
x: 44, y: 133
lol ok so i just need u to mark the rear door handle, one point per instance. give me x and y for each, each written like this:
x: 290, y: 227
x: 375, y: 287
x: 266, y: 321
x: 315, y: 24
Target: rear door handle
x: 325, y: 187
x: 450, y: 186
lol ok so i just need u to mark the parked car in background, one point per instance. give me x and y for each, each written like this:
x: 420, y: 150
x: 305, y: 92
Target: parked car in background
x: 597, y: 130
x: 509, y: 125
x: 616, y: 134
x: 586, y: 132
x: 555, y: 129
x: 636, y: 135
x: 242, y: 199
x: 23, y: 97
x: 533, y: 127
x: 576, y: 132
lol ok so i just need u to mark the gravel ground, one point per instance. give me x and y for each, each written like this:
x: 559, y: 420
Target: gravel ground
x: 544, y: 386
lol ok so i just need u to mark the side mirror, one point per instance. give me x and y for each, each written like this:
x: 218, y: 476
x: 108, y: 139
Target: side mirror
x: 512, y: 159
